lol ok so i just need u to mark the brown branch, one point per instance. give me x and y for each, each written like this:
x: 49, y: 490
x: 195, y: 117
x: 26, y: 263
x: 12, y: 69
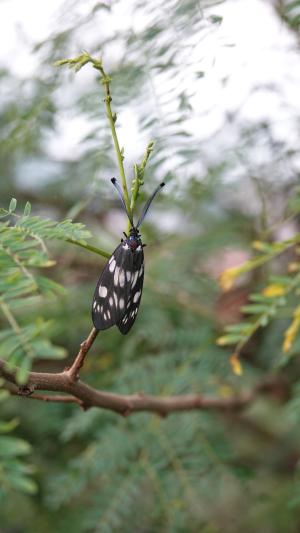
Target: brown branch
x: 68, y: 382
x: 85, y: 346
x: 87, y: 396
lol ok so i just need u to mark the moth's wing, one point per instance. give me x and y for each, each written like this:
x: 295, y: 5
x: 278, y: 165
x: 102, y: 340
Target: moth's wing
x: 134, y: 293
x: 111, y: 293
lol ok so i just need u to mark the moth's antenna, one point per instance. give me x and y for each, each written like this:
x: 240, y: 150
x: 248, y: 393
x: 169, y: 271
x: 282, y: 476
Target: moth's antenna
x: 148, y: 203
x: 120, y: 193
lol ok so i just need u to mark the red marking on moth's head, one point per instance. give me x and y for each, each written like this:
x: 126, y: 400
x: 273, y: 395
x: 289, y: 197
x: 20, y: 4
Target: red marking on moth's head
x: 133, y: 243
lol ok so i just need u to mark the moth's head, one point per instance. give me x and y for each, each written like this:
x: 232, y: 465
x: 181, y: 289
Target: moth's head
x: 134, y: 239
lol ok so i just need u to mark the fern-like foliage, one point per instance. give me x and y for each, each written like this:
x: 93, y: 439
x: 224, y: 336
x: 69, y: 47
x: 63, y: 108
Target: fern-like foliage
x: 277, y: 298
x: 15, y: 474
x: 290, y: 11
x: 23, y: 255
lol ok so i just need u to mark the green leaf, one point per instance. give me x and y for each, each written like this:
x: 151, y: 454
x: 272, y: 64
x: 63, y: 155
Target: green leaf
x: 23, y: 483
x: 281, y: 280
x: 232, y: 338
x: 3, y: 394
x: 48, y: 286
x: 27, y: 209
x: 44, y: 349
x: 292, y: 5
x: 259, y: 298
x: 241, y: 327
x: 23, y: 370
x: 264, y: 320
x: 12, y: 205
x: 6, y: 427
x: 256, y: 309
x: 215, y: 19
x: 11, y: 446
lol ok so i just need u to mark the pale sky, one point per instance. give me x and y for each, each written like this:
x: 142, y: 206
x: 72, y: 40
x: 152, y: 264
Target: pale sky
x: 250, y: 48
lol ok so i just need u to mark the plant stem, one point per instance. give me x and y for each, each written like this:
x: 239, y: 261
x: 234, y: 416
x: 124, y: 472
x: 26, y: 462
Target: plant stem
x: 112, y: 117
x: 90, y: 248
x: 259, y: 322
x: 16, y: 328
x: 76, y: 63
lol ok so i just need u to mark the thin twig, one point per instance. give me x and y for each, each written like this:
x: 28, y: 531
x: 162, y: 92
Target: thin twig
x: 112, y: 118
x: 85, y: 346
x: 77, y: 63
x: 90, y: 248
x: 26, y: 393
x: 57, y: 398
x: 16, y: 328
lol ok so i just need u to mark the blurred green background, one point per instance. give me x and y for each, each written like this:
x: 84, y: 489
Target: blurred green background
x: 216, y: 85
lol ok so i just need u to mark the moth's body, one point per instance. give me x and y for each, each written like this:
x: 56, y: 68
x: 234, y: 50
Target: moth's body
x: 119, y: 289
x: 118, y: 292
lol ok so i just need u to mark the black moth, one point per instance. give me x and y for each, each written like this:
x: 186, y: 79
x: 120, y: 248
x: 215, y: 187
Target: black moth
x: 119, y: 289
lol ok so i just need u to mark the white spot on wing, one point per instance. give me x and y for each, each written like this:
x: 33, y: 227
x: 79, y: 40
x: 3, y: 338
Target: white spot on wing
x: 102, y: 291
x: 111, y: 259
x: 122, y: 278
x: 121, y: 303
x: 112, y: 265
x: 116, y: 276
x: 141, y: 271
x: 95, y: 304
x: 136, y: 296
x: 104, y: 316
x: 128, y: 275
x: 139, y: 248
x: 111, y: 302
x: 125, y: 246
x: 98, y: 308
x: 135, y: 277
x: 116, y: 299
x: 108, y: 313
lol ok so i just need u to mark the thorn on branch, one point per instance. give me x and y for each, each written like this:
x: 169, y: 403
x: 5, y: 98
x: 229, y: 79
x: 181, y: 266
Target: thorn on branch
x: 162, y: 414
x: 85, y: 406
x: 126, y: 412
x: 83, y: 346
x: 25, y: 390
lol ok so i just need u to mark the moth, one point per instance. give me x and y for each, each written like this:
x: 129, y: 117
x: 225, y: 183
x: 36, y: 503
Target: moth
x: 118, y: 292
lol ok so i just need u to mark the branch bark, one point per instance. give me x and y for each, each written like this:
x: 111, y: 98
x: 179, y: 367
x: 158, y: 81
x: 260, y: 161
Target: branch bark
x: 80, y: 357
x: 76, y: 391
